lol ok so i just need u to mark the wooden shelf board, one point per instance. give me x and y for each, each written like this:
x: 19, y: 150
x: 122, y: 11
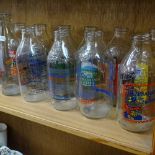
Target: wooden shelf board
x: 105, y: 131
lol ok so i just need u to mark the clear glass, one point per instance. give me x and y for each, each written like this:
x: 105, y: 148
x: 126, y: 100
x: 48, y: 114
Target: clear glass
x: 83, y: 43
x: 17, y: 30
x: 137, y: 86
x: 42, y: 35
x: 93, y: 81
x: 99, y: 42
x: 10, y: 84
x: 152, y: 33
x: 61, y: 71
x: 32, y: 67
x: 117, y: 49
x: 1, y: 52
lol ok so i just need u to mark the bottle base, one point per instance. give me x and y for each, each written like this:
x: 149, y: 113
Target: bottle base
x: 135, y: 127
x: 95, y: 110
x: 11, y: 90
x: 36, y: 96
x: 64, y: 105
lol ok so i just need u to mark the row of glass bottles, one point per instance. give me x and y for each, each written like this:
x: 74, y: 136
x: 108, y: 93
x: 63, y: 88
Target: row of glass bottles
x: 98, y: 74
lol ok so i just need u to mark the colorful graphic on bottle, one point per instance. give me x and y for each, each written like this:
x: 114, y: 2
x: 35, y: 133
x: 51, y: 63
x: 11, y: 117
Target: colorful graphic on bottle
x: 61, y: 80
x: 37, y: 68
x: 91, y: 82
x: 11, y: 63
x: 139, y: 97
x: 23, y: 69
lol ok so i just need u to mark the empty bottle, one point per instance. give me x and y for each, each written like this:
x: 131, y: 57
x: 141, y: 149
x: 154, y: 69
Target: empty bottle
x: 137, y: 86
x: 41, y: 34
x: 61, y: 70
x: 99, y: 42
x: 17, y: 30
x: 10, y: 84
x: 32, y: 67
x: 93, y: 94
x: 117, y: 49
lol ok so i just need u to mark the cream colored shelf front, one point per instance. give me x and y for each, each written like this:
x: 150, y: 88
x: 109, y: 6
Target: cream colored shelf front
x: 105, y: 131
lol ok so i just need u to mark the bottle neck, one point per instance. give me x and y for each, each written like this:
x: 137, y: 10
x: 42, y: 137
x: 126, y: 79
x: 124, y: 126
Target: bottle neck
x: 40, y: 32
x: 27, y: 34
x: 90, y: 40
x: 142, y: 43
x: 120, y: 33
x: 152, y: 34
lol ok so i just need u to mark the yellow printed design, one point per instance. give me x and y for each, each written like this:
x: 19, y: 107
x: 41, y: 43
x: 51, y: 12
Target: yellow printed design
x: 142, y: 78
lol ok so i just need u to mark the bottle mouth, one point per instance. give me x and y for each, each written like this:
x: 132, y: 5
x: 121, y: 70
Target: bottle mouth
x: 99, y: 33
x: 18, y: 26
x: 90, y: 36
x: 89, y: 28
x: 5, y: 14
x: 142, y: 37
x: 64, y: 30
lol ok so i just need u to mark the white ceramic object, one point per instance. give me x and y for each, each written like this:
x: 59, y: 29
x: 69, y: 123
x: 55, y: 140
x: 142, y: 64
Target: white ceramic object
x: 6, y: 151
x: 3, y: 134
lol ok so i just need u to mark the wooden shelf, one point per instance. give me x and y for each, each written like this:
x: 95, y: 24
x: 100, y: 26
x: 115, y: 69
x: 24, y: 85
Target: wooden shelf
x: 105, y: 131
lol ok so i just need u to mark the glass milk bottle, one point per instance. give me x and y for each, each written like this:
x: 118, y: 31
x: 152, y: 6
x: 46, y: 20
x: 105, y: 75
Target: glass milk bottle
x: 117, y: 49
x: 41, y: 34
x: 93, y: 95
x: 61, y: 71
x: 32, y: 67
x: 10, y: 84
x: 17, y: 30
x: 137, y: 86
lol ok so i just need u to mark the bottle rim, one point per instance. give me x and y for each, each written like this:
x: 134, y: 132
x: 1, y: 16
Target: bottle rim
x: 5, y: 14
x: 142, y: 37
x: 89, y: 28
x: 99, y: 33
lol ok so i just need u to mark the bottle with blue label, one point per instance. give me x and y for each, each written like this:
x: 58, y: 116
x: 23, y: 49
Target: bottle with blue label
x: 93, y: 93
x: 136, y: 96
x: 32, y: 67
x: 61, y: 70
x: 9, y: 44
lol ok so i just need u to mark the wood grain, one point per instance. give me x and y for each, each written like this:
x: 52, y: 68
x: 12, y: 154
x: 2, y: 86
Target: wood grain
x: 137, y: 15
x: 35, y: 139
x: 103, y: 131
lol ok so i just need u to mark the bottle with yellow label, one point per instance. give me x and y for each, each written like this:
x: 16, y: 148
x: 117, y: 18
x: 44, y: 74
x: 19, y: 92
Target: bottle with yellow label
x: 136, y: 102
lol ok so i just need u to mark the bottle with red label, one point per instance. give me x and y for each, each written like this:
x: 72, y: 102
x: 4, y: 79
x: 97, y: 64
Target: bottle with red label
x: 117, y: 49
x: 136, y: 96
x: 93, y: 94
x: 10, y: 84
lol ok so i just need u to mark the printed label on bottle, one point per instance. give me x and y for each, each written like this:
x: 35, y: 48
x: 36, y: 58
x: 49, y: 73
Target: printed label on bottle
x: 139, y: 96
x: 90, y: 76
x: 11, y: 63
x: 2, y: 38
x: 61, y: 81
x: 23, y: 70
x: 93, y: 82
x: 138, y: 102
x: 116, y: 81
x: 37, y: 68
